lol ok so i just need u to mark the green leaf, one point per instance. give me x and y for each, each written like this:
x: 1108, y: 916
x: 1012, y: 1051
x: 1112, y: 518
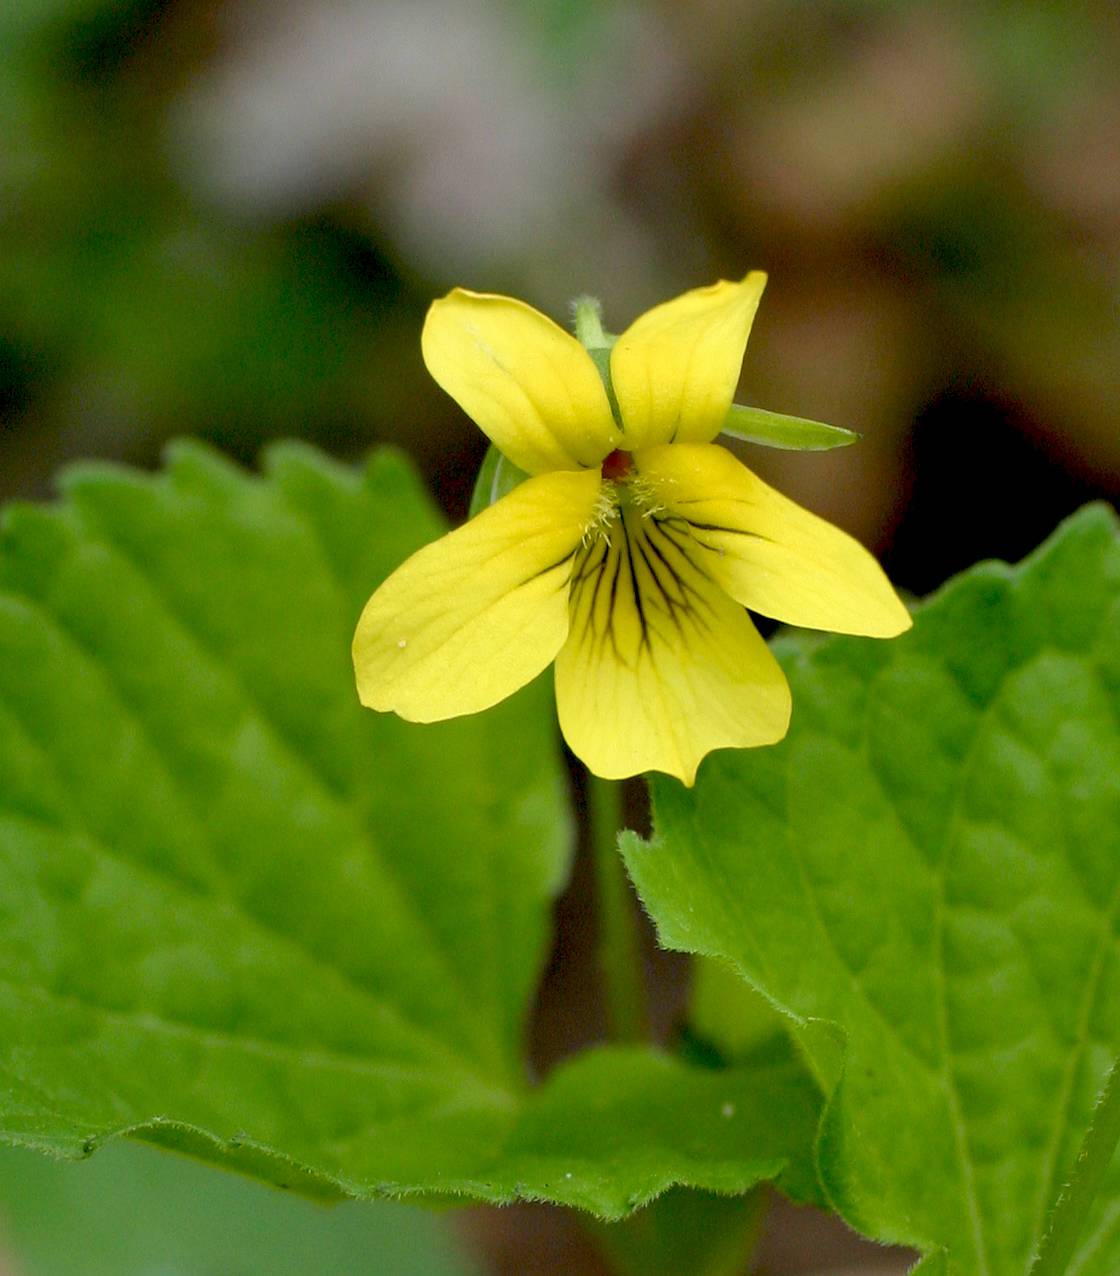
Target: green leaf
x: 244, y: 918
x: 934, y: 1264
x: 729, y: 1014
x: 926, y: 877
x: 1080, y: 1193
x: 627, y: 1123
x: 795, y: 433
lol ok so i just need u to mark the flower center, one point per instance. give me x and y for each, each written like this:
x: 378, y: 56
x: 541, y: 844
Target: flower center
x: 616, y: 466
x: 624, y: 487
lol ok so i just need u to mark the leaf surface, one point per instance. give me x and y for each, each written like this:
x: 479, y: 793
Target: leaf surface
x: 244, y: 918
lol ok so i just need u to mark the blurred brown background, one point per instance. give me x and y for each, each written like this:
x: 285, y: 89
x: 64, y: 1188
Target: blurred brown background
x: 226, y: 218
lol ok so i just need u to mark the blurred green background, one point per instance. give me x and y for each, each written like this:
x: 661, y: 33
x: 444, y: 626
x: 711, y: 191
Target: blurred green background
x: 135, y: 1211
x: 227, y: 217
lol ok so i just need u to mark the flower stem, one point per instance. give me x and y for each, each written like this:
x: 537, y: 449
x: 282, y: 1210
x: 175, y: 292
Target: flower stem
x: 1093, y: 1161
x: 618, y: 946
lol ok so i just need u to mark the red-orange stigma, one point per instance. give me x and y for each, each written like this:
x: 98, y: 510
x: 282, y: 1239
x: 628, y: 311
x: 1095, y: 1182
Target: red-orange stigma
x: 616, y: 466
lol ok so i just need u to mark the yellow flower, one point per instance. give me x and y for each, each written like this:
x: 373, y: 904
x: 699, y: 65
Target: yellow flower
x: 628, y: 556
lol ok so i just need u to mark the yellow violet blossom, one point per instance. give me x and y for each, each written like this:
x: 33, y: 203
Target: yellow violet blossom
x: 630, y: 554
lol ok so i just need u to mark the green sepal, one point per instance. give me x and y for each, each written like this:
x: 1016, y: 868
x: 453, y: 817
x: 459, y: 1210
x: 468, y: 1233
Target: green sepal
x: 794, y: 433
x: 497, y: 478
x: 588, y: 316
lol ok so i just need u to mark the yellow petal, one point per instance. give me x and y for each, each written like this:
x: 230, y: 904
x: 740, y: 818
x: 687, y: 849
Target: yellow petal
x: 675, y: 369
x: 528, y: 385
x: 468, y: 620
x: 660, y: 666
x: 767, y: 552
